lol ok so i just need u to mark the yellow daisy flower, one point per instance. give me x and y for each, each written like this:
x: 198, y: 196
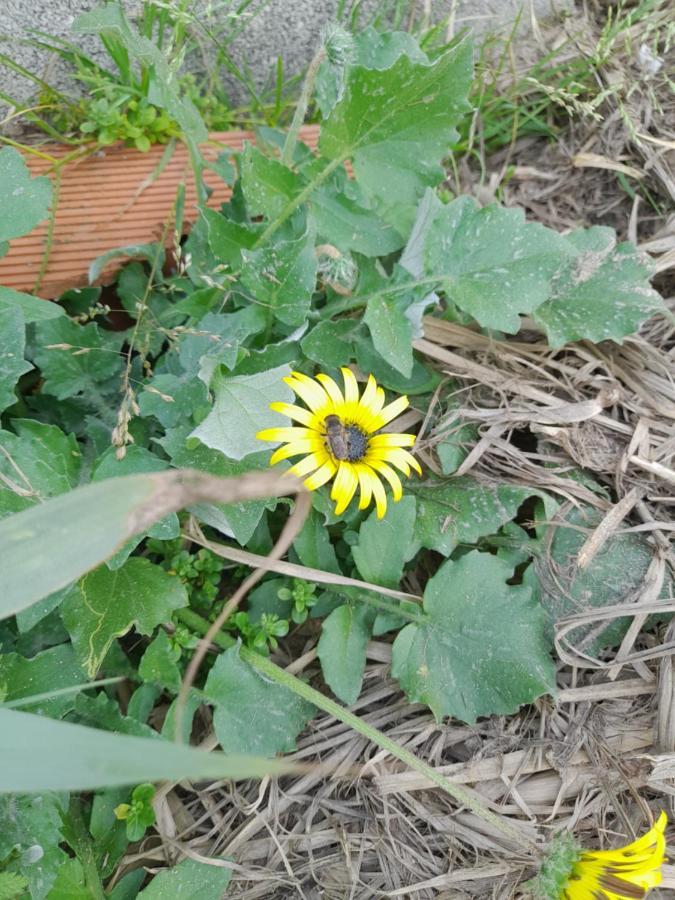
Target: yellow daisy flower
x: 340, y: 438
x: 627, y: 873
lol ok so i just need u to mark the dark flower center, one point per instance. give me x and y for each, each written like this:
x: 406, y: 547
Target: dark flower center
x: 345, y: 442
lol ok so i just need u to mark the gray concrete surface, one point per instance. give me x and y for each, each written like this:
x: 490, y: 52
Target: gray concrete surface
x: 286, y: 28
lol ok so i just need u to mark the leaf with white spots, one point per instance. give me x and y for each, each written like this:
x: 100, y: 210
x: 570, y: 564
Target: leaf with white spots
x: 480, y: 646
x: 601, y: 292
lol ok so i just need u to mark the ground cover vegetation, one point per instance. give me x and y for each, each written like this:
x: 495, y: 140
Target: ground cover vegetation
x: 166, y: 593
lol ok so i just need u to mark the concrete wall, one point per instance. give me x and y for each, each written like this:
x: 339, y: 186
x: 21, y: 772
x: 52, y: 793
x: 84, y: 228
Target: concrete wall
x: 287, y: 28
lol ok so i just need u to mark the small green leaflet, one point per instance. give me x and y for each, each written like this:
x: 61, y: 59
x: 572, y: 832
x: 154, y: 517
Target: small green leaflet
x: 461, y: 510
x: 24, y: 201
x: 159, y: 663
x: 49, y: 670
x: 482, y: 650
x: 492, y: 263
x: 601, y: 292
x: 33, y: 308
x: 251, y: 714
x: 106, y: 604
x: 190, y: 880
x: 30, y: 833
x: 386, y: 544
x: 281, y: 277
x: 12, y: 363
x: 70, y: 883
x: 313, y: 545
x: 342, y: 649
x: 268, y: 185
x: 241, y: 409
x: 227, y: 239
x: 396, y: 125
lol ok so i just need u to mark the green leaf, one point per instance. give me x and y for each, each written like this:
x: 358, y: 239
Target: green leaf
x: 70, y: 883
x: 422, y: 379
x: 151, y: 252
x: 349, y: 225
x: 105, y: 605
x: 12, y: 885
x: 171, y: 400
x: 313, y: 545
x: 491, y: 262
x: 226, y: 238
x: 282, y: 276
x: 33, y: 308
x: 159, y: 663
x: 47, y: 671
x: 241, y: 409
x: 602, y: 291
x: 104, y: 713
x: 615, y: 576
x: 461, y: 510
x: 190, y: 880
x: 40, y: 754
x: 252, y: 715
x: 30, y: 827
x: 24, y: 201
x: 90, y: 358
x: 391, y: 332
x: 330, y: 343
x: 217, y: 341
x: 342, y: 649
x: 37, y: 462
x: 386, y: 544
x: 480, y: 649
x: 12, y: 363
x: 396, y: 125
x: 268, y: 185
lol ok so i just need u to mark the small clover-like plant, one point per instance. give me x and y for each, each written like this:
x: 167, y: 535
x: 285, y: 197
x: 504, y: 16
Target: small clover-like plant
x: 139, y: 813
x: 303, y: 596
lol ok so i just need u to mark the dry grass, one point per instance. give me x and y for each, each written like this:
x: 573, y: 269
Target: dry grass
x: 601, y: 755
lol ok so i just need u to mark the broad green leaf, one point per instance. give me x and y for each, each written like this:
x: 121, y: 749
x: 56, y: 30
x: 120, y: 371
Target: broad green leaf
x: 30, y: 829
x: 24, y: 201
x: 251, y: 714
x: 391, y: 333
x: 238, y: 520
x: 386, y: 544
x: 616, y: 575
x: 602, y: 292
x: 348, y: 225
x: 172, y: 400
x: 37, y: 462
x: 281, y: 277
x: 151, y: 252
x: 461, y: 510
x: 421, y: 381
x: 227, y: 238
x: 190, y: 880
x: 217, y: 341
x: 492, y: 263
x: 268, y: 185
x: 33, y: 308
x: 453, y: 449
x: 12, y: 362
x: 480, y: 649
x: 136, y: 460
x: 241, y: 409
x: 103, y: 712
x: 396, y: 125
x: 329, y: 343
x: 47, y: 671
x: 342, y: 649
x: 159, y: 663
x: 40, y: 754
x: 27, y: 619
x: 70, y: 883
x: 76, y: 358
x: 313, y: 545
x: 106, y: 604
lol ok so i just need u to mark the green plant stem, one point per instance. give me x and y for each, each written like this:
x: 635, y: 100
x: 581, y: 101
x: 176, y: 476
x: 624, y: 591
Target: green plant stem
x: 77, y: 835
x: 301, y: 108
x: 270, y: 670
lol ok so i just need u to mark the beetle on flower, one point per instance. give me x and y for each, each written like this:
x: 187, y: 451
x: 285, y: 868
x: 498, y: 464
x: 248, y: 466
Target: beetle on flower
x: 340, y: 437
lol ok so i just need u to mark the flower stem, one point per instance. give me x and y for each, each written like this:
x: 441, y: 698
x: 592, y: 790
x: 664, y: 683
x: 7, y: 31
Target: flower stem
x: 273, y: 672
x: 301, y: 108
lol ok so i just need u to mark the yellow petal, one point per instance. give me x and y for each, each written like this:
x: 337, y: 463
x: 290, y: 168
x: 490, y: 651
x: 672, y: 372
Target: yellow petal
x: 377, y: 441
x: 298, y: 413
x: 321, y: 476
x: 310, y: 390
x: 348, y: 485
x: 369, y: 398
x: 391, y: 476
x: 295, y: 448
x: 365, y: 474
x: 351, y: 385
x: 392, y: 410
x: 380, y: 496
x: 397, y: 457
x: 288, y: 433
x: 331, y: 389
x: 308, y: 464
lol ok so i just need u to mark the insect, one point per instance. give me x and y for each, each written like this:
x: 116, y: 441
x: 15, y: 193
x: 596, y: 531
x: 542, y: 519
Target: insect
x: 346, y: 442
